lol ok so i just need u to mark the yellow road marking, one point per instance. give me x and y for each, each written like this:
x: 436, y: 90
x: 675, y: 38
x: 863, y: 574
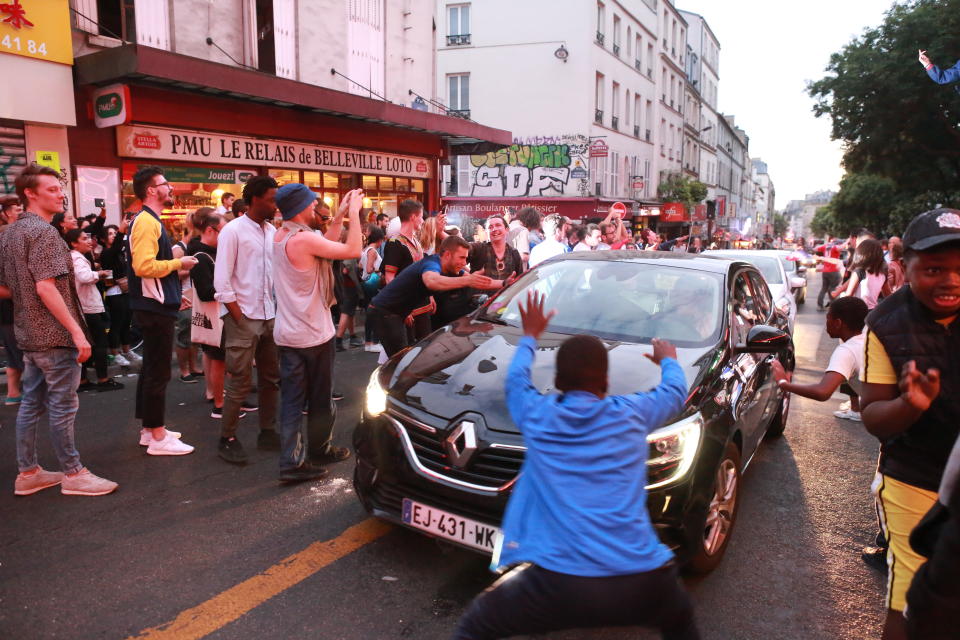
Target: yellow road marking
x: 236, y: 601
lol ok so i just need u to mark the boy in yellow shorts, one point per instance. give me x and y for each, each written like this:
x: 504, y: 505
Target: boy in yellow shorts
x: 910, y: 398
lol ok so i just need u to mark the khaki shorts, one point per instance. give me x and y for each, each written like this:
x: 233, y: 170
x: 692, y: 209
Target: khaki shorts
x: 901, y: 507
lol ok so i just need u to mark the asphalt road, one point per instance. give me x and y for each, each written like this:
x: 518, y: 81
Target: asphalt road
x: 193, y: 547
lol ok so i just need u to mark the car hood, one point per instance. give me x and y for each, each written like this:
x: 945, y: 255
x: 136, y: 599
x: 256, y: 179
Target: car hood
x: 463, y: 367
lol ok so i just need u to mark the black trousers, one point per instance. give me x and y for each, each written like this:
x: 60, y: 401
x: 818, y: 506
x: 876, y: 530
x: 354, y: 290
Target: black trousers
x: 394, y: 334
x: 830, y: 280
x: 99, y: 324
x: 530, y: 599
x: 157, y: 333
x: 118, y: 307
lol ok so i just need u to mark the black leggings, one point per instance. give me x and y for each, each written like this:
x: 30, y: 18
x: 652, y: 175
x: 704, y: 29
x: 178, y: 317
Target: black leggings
x: 530, y: 599
x: 98, y: 323
x: 118, y: 307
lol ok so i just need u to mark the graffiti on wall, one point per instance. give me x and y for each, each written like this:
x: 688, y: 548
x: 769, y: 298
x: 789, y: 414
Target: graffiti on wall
x: 534, y: 166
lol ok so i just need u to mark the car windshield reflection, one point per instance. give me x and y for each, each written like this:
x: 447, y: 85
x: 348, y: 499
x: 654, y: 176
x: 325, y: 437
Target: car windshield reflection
x: 621, y: 301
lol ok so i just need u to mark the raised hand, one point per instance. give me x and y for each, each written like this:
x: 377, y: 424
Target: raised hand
x: 661, y: 349
x: 924, y: 60
x: 919, y: 389
x: 532, y: 317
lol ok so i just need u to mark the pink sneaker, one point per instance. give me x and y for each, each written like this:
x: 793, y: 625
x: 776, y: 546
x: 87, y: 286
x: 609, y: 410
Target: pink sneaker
x: 86, y: 484
x: 26, y: 485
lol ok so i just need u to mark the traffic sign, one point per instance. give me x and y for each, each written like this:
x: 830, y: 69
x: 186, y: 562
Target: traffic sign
x: 619, y: 208
x: 599, y: 149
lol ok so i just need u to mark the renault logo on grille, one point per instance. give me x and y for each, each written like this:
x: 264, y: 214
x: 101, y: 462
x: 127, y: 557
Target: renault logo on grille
x: 461, y: 444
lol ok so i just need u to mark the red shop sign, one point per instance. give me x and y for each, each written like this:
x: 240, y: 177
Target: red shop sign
x: 674, y: 212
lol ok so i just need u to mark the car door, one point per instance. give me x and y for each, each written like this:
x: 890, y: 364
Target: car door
x: 743, y: 316
x: 767, y: 396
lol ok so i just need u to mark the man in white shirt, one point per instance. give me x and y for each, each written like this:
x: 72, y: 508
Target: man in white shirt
x: 554, y: 239
x: 845, y: 320
x: 243, y: 278
x: 591, y: 239
x: 304, y: 331
x: 226, y: 204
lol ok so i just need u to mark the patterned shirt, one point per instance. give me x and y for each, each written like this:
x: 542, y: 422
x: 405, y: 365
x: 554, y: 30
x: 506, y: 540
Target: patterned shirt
x: 32, y: 250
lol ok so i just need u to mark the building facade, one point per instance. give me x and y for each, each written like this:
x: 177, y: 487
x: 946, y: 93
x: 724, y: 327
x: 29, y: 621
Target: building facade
x: 217, y: 92
x: 800, y: 213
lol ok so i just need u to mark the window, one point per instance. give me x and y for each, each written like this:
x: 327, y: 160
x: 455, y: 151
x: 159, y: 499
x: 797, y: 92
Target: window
x: 743, y: 312
x: 626, y: 111
x: 266, y: 51
x: 612, y: 174
x: 616, y: 35
x: 116, y: 19
x: 458, y: 24
x: 636, y: 115
x: 601, y: 18
x: 459, y: 94
x: 142, y: 21
x: 615, y: 106
x: 598, y: 100
x: 650, y: 61
x: 629, y: 41
x: 638, y: 52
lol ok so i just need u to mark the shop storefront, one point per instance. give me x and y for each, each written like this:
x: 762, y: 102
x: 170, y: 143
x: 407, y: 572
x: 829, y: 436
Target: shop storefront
x: 37, y: 102
x: 211, y: 141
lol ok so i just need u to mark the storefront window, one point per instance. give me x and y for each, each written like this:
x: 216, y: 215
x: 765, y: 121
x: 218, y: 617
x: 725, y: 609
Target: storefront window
x: 386, y: 184
x: 312, y: 180
x: 331, y: 182
x: 285, y: 176
x: 370, y: 183
x: 416, y: 186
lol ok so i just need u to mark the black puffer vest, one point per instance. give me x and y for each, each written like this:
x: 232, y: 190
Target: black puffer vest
x: 907, y: 331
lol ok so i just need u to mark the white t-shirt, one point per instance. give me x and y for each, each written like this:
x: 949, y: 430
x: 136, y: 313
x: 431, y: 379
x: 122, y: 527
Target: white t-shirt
x: 546, y: 250
x: 847, y: 360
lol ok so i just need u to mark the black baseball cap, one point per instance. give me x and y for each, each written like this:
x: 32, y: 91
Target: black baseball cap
x: 931, y: 229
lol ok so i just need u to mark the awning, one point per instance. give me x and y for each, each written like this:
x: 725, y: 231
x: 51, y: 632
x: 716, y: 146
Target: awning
x: 145, y: 65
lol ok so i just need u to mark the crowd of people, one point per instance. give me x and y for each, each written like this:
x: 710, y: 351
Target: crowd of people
x: 273, y: 283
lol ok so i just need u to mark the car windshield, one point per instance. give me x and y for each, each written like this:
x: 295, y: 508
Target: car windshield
x: 768, y: 265
x: 789, y: 266
x: 624, y: 301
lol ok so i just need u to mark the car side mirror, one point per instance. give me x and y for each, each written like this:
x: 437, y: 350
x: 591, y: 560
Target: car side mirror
x: 797, y: 282
x: 479, y: 299
x: 764, y: 339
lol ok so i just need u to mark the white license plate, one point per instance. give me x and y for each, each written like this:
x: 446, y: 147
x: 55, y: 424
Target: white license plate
x: 450, y: 526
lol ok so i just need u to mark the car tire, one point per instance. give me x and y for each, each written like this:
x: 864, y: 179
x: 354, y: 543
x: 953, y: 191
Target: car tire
x: 779, y: 422
x: 721, y: 515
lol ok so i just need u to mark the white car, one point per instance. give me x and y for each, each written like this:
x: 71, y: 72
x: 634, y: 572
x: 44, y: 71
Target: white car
x: 792, y: 262
x: 768, y: 263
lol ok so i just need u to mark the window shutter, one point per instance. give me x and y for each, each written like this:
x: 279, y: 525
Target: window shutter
x: 89, y: 9
x: 13, y: 153
x: 464, y: 187
x: 284, y: 33
x: 153, y: 23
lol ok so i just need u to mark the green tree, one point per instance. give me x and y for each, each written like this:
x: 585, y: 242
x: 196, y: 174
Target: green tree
x: 780, y: 225
x: 899, y: 128
x: 679, y: 188
x: 823, y: 223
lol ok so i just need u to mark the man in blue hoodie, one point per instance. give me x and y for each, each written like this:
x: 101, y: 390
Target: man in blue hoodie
x: 938, y: 75
x: 577, y: 526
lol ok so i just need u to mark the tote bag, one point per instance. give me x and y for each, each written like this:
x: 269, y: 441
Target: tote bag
x: 207, y: 325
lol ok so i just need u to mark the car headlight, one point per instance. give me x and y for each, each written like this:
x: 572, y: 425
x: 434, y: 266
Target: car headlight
x: 783, y: 304
x: 672, y: 451
x: 376, y: 402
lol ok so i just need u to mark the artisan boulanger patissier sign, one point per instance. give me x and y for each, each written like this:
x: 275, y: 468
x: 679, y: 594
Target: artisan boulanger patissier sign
x: 135, y: 141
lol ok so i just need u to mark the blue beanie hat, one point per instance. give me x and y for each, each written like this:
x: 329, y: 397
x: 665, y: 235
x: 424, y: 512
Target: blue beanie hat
x: 293, y: 198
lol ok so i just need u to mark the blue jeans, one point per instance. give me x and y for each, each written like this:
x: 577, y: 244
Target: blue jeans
x: 306, y: 379
x: 49, y: 383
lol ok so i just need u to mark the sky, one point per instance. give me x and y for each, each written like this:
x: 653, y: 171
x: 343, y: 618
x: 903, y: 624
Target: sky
x: 769, y: 50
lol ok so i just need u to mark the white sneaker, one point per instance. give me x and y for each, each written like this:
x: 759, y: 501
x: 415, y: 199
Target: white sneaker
x: 121, y: 361
x: 848, y: 415
x: 169, y: 446
x: 132, y: 357
x: 844, y: 406
x: 146, y: 436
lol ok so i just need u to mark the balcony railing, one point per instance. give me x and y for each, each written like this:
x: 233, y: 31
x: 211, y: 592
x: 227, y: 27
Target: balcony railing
x: 599, y: 38
x: 459, y: 113
x: 615, y: 122
x: 616, y: 50
x: 638, y: 65
x: 598, y: 116
x: 647, y: 137
x: 459, y: 39
x: 636, y: 131
x: 650, y: 73
x: 663, y: 149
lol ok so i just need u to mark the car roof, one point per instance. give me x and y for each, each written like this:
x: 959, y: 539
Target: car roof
x: 694, y: 261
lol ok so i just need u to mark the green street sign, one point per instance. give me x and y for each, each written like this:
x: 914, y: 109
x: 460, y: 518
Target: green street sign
x: 109, y: 105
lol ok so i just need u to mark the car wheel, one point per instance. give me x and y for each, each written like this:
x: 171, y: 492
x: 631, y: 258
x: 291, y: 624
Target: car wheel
x: 721, y: 514
x: 779, y: 423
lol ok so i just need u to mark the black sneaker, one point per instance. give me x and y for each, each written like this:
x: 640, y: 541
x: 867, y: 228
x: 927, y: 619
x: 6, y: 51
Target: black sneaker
x: 217, y: 412
x: 197, y: 374
x: 333, y: 454
x: 109, y: 385
x: 355, y: 341
x: 232, y: 451
x: 336, y: 395
x: 86, y: 385
x: 340, y: 346
x: 268, y: 440
x: 875, y: 557
x: 306, y: 471
x: 189, y: 379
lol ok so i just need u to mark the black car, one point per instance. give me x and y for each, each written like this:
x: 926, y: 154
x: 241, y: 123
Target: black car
x: 437, y: 450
